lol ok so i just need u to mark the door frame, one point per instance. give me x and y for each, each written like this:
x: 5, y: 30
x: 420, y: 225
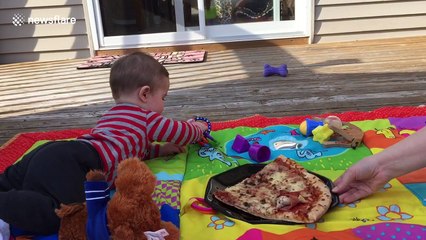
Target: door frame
x: 302, y: 26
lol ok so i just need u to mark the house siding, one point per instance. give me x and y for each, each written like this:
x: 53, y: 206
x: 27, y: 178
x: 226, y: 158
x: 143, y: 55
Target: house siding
x: 42, y: 42
x: 351, y: 20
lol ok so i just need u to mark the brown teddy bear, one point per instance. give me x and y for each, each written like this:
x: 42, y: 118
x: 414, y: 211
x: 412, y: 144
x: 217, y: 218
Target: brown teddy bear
x: 131, y: 212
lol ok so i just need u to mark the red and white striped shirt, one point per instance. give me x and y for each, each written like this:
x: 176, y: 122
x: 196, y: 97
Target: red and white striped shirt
x: 127, y: 130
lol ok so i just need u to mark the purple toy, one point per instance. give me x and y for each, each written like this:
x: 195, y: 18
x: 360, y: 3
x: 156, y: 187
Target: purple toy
x: 240, y: 144
x: 269, y: 70
x: 259, y: 153
x: 209, y: 127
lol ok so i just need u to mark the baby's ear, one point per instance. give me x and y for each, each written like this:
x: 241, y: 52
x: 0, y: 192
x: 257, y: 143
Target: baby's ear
x: 143, y: 93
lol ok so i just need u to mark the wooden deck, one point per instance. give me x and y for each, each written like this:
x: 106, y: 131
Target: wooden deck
x: 364, y: 75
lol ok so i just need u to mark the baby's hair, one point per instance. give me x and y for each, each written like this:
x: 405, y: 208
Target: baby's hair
x: 133, y: 71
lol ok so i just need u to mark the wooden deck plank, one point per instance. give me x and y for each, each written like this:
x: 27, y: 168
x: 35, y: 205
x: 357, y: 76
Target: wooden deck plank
x: 363, y: 75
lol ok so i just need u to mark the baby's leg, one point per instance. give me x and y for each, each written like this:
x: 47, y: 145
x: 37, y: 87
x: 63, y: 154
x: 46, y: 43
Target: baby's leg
x: 29, y: 211
x: 55, y: 174
x: 59, y: 170
x: 14, y: 175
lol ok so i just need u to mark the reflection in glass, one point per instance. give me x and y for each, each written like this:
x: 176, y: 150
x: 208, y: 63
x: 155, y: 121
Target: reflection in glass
x: 127, y: 17
x: 190, y: 8
x: 246, y: 11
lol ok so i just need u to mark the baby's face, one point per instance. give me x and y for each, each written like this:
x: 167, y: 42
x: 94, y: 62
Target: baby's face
x: 156, y: 98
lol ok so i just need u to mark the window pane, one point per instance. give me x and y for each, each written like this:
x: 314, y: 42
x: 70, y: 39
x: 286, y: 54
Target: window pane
x: 246, y: 11
x: 123, y: 17
x: 287, y: 10
x: 190, y: 9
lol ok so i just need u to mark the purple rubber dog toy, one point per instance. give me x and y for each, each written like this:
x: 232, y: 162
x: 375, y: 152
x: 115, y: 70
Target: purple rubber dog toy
x: 269, y: 70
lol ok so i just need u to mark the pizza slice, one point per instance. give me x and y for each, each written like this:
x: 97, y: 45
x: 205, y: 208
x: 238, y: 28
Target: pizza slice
x: 282, y: 190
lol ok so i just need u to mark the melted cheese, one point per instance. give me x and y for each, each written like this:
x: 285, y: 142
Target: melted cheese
x: 276, y: 189
x: 288, y: 183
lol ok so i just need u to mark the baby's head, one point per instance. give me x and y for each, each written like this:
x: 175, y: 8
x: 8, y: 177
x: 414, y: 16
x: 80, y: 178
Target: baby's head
x: 140, y: 79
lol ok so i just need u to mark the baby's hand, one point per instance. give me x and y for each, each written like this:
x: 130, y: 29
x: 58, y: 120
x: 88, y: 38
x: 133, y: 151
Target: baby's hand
x: 170, y: 149
x: 201, y: 125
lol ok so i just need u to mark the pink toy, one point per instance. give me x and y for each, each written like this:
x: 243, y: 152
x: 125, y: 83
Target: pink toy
x: 200, y: 205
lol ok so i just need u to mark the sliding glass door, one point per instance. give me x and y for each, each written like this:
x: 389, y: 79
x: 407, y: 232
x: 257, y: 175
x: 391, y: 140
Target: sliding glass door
x: 132, y: 23
x: 127, y: 23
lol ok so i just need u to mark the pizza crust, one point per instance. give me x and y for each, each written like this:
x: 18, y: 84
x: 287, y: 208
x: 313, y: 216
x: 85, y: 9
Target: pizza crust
x: 324, y: 200
x: 282, y: 190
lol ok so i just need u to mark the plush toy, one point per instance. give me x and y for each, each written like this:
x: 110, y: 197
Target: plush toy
x: 130, y: 214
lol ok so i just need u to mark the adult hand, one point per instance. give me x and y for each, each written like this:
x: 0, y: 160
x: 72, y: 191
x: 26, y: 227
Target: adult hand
x: 360, y: 180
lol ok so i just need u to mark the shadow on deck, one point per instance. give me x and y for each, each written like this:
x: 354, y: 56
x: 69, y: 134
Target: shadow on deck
x: 364, y: 75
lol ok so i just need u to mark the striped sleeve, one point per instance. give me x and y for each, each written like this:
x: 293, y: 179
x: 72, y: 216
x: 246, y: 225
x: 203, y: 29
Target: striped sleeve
x: 154, y: 151
x: 162, y: 129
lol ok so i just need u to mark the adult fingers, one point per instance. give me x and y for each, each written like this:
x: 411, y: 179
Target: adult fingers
x: 343, y: 182
x: 352, y: 195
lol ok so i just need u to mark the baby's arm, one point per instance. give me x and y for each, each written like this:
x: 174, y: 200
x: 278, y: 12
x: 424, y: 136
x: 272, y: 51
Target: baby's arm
x: 181, y: 133
x: 161, y: 150
x: 154, y: 151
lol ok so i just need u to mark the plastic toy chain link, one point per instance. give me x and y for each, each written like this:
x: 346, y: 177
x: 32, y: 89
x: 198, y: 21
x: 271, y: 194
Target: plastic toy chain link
x: 209, y: 127
x: 200, y: 205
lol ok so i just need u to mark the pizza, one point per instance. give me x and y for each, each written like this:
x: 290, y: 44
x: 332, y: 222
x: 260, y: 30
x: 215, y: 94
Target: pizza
x: 282, y: 190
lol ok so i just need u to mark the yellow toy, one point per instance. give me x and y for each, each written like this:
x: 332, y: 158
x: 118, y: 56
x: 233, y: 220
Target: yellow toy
x: 332, y: 132
x: 322, y: 133
x: 307, y: 126
x: 302, y: 128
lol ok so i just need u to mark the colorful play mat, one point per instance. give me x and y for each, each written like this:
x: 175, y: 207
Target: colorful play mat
x: 397, y: 211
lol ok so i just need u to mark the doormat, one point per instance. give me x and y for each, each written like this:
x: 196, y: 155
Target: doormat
x: 106, y: 61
